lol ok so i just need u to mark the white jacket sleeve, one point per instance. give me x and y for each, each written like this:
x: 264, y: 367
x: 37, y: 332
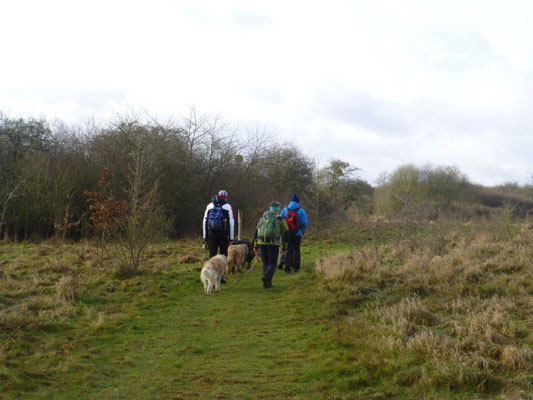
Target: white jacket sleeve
x: 209, y: 206
x: 231, y: 223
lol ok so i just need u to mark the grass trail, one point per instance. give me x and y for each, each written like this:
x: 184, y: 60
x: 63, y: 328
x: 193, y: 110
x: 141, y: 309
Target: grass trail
x: 174, y: 342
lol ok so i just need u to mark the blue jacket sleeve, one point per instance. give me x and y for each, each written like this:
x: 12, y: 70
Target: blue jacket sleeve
x: 302, y: 219
x: 284, y: 213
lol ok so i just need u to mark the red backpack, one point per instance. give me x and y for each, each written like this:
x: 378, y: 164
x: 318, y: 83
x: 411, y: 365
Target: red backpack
x: 292, y: 221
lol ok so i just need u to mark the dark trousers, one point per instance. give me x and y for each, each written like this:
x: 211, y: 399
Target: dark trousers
x: 292, y: 256
x: 269, y: 256
x: 216, y: 243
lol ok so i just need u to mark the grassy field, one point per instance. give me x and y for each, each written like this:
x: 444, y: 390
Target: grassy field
x: 444, y: 312
x: 156, y: 335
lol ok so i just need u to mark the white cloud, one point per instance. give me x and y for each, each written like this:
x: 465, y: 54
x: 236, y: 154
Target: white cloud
x: 376, y: 83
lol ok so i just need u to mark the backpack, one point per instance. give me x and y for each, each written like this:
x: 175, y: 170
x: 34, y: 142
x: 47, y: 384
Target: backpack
x: 217, y: 221
x: 292, y: 221
x: 268, y: 230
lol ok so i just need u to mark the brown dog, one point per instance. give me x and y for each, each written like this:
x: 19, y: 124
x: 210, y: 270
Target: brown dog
x: 236, y: 257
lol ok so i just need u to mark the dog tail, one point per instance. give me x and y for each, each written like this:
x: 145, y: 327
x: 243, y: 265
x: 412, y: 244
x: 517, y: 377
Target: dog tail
x: 206, y: 273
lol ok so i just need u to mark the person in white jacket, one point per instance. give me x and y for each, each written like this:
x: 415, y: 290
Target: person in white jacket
x: 218, y: 225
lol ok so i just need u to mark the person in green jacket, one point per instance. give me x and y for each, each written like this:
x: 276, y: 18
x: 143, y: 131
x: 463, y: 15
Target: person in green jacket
x: 269, y: 236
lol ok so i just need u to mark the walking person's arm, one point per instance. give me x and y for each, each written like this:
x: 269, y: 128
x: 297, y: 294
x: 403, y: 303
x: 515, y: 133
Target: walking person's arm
x: 231, y: 223
x: 302, y: 219
x: 204, y: 222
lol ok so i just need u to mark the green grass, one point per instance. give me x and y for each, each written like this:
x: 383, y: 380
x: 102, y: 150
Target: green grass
x: 377, y: 322
x: 162, y: 337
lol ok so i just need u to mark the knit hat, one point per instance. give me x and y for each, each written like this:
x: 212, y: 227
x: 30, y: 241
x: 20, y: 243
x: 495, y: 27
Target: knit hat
x: 223, y: 194
x: 295, y: 198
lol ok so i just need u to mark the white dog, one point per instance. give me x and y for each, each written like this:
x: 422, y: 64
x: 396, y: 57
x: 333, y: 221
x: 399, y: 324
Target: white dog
x: 212, y: 272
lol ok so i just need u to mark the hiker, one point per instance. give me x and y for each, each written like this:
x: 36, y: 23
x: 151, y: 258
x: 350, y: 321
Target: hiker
x: 218, y: 225
x: 269, y: 236
x: 296, y: 220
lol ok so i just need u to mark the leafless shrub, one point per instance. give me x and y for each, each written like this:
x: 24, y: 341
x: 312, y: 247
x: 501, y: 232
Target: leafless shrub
x: 144, y: 221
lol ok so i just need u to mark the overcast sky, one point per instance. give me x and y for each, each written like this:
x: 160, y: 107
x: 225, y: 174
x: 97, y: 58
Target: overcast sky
x: 375, y: 83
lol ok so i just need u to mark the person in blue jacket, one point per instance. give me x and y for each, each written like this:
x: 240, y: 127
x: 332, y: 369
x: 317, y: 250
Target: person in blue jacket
x: 297, y: 222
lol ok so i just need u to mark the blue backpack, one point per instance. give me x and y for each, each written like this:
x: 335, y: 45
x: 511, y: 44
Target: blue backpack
x: 217, y: 221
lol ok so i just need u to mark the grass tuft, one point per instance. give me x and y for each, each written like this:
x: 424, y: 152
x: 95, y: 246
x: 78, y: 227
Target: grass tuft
x: 98, y: 325
x: 66, y: 289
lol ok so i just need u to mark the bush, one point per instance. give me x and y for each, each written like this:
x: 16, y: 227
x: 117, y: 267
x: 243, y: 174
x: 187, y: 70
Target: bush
x: 412, y: 192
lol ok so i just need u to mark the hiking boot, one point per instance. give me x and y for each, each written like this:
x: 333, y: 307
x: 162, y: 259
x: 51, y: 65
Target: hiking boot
x: 265, y: 282
x: 287, y: 271
x: 280, y: 266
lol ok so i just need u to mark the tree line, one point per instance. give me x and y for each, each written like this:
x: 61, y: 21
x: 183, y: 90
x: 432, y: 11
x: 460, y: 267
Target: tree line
x: 47, y: 170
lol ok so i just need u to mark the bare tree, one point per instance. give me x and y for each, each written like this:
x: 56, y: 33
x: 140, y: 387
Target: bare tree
x: 257, y: 143
x: 4, y: 206
x: 145, y: 221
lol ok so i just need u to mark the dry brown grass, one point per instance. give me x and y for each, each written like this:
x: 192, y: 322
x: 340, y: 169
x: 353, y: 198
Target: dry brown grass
x: 57, y: 265
x: 159, y: 267
x: 98, y: 325
x: 66, y: 289
x: 463, y: 309
x: 188, y: 259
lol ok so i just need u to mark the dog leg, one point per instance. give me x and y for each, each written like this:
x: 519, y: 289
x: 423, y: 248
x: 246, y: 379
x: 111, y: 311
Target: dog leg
x: 229, y: 266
